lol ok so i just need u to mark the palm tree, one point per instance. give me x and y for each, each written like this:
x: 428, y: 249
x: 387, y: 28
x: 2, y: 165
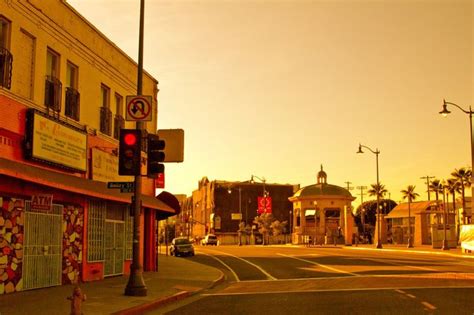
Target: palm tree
x: 409, y: 194
x: 453, y: 187
x: 377, y: 189
x: 437, y: 187
x: 463, y: 175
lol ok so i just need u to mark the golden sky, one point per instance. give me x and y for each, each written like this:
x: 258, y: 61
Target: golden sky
x: 277, y: 88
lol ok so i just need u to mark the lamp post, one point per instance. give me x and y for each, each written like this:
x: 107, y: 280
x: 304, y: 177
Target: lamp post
x: 263, y: 180
x: 376, y: 152
x: 445, y: 241
x: 445, y: 113
x: 229, y: 190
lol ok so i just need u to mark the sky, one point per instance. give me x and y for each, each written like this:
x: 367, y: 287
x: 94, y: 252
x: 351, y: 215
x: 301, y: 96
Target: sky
x: 277, y: 88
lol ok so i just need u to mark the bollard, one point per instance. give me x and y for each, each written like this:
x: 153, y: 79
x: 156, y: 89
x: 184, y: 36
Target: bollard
x: 76, y: 299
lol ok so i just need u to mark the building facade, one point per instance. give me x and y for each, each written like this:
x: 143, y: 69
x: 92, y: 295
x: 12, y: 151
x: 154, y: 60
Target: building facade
x: 63, y: 86
x: 322, y: 214
x: 220, y: 207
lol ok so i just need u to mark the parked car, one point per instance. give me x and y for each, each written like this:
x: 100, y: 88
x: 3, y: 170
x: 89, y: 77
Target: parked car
x: 209, y: 239
x: 181, y: 246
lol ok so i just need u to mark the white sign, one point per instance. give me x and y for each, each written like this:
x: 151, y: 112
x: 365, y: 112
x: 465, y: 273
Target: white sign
x: 236, y: 216
x: 139, y: 108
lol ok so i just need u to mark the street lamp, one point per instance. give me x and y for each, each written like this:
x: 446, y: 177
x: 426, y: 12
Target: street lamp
x: 263, y: 180
x: 445, y: 241
x: 376, y: 152
x: 229, y: 190
x: 445, y: 113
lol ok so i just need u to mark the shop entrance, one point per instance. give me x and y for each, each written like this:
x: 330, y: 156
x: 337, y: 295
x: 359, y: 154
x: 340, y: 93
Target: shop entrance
x: 114, y: 247
x: 42, y: 259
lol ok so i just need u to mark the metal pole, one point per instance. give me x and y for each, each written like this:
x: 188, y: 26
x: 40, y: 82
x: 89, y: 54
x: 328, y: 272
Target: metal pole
x: 445, y: 241
x: 136, y: 284
x: 472, y: 161
x: 410, y: 243
x: 379, y: 241
x: 427, y: 184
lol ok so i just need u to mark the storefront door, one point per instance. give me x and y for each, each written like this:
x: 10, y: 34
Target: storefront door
x: 42, y: 259
x: 114, y: 247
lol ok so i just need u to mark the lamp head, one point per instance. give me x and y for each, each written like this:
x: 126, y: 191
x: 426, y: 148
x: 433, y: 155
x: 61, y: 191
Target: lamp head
x: 360, y: 149
x: 445, y: 110
x: 251, y: 180
x: 229, y: 190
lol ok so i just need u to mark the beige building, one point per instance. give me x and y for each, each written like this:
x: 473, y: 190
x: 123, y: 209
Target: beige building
x: 322, y: 214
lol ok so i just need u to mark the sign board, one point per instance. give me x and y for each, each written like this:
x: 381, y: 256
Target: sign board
x: 121, y: 185
x: 105, y: 167
x: 139, y: 108
x: 174, y: 144
x: 41, y: 203
x: 56, y: 143
x: 264, y: 205
x: 236, y: 216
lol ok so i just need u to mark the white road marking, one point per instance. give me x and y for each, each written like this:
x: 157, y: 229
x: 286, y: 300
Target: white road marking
x: 321, y: 265
x: 399, y: 264
x: 428, y: 305
x: 410, y: 296
x: 226, y: 265
x: 400, y: 291
x: 269, y: 276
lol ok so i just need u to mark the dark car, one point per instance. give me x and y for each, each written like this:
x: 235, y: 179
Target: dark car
x: 181, y: 246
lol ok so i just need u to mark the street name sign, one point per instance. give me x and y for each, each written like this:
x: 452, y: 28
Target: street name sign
x: 121, y: 185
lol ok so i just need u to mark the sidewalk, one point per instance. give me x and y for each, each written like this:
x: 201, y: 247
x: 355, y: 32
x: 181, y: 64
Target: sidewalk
x: 176, y: 279
x: 421, y: 249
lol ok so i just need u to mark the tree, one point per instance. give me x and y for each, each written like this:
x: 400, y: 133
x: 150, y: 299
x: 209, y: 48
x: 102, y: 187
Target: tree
x: 278, y: 227
x: 370, y: 209
x: 377, y: 189
x: 264, y: 222
x: 437, y: 187
x: 463, y: 175
x: 453, y: 186
x: 411, y: 195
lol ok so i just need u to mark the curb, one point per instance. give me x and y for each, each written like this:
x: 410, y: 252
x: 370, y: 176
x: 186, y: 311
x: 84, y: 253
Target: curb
x: 410, y: 251
x: 140, y: 309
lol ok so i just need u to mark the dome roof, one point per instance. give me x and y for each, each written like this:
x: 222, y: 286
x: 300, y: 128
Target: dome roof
x: 322, y: 190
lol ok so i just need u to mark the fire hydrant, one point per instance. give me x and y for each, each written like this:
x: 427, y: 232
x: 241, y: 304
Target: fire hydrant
x: 76, y: 299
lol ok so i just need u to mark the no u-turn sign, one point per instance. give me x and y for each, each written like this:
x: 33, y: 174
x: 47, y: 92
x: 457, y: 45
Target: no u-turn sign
x: 138, y: 108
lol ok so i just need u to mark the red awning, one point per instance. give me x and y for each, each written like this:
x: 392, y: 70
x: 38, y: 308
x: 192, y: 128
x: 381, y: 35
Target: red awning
x: 75, y: 184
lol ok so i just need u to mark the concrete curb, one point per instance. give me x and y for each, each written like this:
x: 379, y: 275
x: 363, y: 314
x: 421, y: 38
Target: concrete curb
x: 410, y: 251
x: 140, y: 309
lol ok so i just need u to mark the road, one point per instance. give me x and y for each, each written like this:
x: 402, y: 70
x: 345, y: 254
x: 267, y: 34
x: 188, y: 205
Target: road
x: 331, y: 280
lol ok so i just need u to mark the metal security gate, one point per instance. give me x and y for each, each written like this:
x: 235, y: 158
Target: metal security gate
x: 42, y: 261
x: 114, y: 247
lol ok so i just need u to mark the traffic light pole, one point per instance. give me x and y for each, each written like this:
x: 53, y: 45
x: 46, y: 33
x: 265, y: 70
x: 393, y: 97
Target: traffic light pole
x: 136, y: 284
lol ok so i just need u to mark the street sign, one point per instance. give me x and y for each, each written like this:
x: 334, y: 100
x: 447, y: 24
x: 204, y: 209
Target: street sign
x: 121, y: 185
x: 127, y: 190
x: 139, y: 108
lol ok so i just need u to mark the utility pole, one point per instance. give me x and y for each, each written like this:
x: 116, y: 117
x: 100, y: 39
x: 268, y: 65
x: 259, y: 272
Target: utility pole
x: 427, y: 177
x: 348, y: 185
x: 362, y: 214
x: 136, y: 284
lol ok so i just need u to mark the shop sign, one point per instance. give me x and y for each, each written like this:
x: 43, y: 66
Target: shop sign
x: 264, y: 205
x: 53, y: 142
x: 41, y: 203
x: 105, y: 168
x: 236, y: 216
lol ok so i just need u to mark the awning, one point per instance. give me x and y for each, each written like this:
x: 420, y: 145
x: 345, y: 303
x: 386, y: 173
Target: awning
x: 74, y: 184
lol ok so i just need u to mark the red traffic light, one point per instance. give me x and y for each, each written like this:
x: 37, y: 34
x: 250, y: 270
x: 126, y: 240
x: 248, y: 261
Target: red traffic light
x: 130, y: 139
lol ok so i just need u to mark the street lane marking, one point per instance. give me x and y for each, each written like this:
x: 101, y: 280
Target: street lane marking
x: 399, y: 264
x: 226, y: 265
x: 400, y: 291
x: 250, y: 263
x: 428, y: 305
x: 323, y: 266
x: 410, y: 295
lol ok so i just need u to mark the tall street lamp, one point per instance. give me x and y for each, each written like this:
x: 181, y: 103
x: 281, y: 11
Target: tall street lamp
x: 445, y: 113
x: 376, y: 152
x: 229, y: 190
x: 263, y: 180
x: 445, y: 217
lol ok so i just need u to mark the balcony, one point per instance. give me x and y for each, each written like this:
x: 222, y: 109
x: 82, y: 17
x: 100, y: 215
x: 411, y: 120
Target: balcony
x: 106, y: 121
x: 119, y: 123
x: 72, y: 103
x: 6, y: 61
x: 52, y: 95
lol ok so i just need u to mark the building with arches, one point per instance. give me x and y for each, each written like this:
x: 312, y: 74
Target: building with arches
x: 322, y: 214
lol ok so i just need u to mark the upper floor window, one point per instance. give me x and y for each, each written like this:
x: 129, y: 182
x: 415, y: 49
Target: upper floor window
x: 105, y: 112
x: 6, y: 58
x: 72, y: 93
x: 119, y: 121
x: 52, y: 97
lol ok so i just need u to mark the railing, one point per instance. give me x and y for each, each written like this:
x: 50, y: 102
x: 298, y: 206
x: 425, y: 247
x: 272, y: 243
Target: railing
x: 119, y: 123
x: 105, y: 121
x: 72, y: 103
x: 52, y: 94
x: 6, y: 61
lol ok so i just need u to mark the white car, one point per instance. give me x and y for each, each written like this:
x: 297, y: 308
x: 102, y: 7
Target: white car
x: 209, y: 239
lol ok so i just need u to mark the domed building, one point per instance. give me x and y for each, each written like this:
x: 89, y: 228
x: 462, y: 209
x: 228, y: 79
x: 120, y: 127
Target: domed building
x: 322, y: 214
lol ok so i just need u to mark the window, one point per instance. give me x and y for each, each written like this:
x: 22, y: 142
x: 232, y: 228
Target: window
x: 119, y: 122
x: 52, y: 95
x: 72, y: 94
x: 105, y: 112
x: 6, y: 58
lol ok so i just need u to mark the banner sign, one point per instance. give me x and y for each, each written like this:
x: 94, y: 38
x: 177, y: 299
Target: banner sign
x: 264, y: 205
x: 236, y: 216
x: 56, y: 143
x: 160, y: 181
x: 105, y: 167
x: 41, y: 203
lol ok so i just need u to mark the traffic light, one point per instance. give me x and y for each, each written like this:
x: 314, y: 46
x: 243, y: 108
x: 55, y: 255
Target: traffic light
x: 155, y: 155
x: 130, y: 152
